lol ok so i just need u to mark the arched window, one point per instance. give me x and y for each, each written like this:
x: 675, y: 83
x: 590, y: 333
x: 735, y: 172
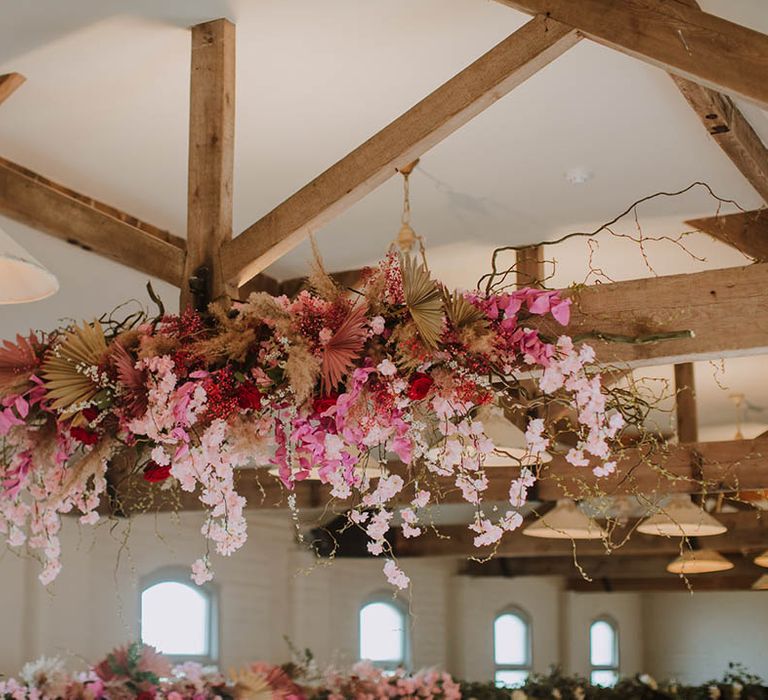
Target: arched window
x: 604, y: 652
x: 512, y: 648
x: 383, y: 635
x: 179, y: 618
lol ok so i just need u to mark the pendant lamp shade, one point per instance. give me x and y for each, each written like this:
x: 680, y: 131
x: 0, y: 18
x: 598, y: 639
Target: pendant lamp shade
x: 22, y: 278
x: 761, y: 584
x: 565, y: 522
x: 699, y: 561
x: 762, y: 559
x: 511, y: 447
x: 681, y: 518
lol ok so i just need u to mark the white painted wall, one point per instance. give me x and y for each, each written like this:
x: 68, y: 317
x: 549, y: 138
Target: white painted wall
x: 693, y: 637
x: 273, y: 587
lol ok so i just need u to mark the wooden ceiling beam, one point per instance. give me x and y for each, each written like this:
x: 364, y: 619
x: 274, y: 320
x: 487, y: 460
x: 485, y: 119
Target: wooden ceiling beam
x: 746, y: 533
x: 211, y: 156
x: 713, y: 467
x: 670, y: 582
x: 347, y: 279
x: 696, y: 45
x: 710, y: 304
x: 730, y: 130
x: 9, y: 83
x: 291, y: 287
x: 728, y: 127
x: 46, y: 206
x: 437, y: 116
x: 746, y: 231
x: 598, y: 567
x: 700, y: 467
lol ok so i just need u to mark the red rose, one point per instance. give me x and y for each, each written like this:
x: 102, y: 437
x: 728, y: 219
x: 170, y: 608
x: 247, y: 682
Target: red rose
x: 420, y: 386
x: 322, y: 404
x: 249, y: 396
x: 87, y: 437
x: 154, y: 473
x: 90, y: 414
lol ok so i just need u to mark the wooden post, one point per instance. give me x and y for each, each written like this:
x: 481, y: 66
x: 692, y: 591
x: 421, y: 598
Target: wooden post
x: 685, y: 392
x: 530, y: 266
x: 211, y: 157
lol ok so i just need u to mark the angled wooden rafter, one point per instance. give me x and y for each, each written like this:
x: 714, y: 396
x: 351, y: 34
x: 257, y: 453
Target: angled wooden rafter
x: 746, y: 231
x: 38, y: 202
x: 730, y: 130
x: 441, y: 113
x: 9, y: 83
x: 696, y: 45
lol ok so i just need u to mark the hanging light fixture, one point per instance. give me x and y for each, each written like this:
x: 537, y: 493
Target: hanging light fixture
x: 762, y: 559
x: 681, y: 518
x: 406, y: 236
x: 699, y: 561
x: 22, y: 278
x: 511, y: 447
x: 761, y: 584
x: 565, y: 522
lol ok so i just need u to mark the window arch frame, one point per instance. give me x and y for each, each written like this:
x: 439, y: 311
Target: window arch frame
x: 209, y: 590
x: 527, y: 621
x: 615, y: 667
x: 386, y: 599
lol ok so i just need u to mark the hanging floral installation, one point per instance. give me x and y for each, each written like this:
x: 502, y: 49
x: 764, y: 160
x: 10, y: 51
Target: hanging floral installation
x: 329, y: 384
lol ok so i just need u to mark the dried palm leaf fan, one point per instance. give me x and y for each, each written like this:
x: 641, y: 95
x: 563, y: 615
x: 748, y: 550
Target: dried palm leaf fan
x: 70, y: 371
x: 340, y: 351
x: 423, y: 296
x: 17, y: 362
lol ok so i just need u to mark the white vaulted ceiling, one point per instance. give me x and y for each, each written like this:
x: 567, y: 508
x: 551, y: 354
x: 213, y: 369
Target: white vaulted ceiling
x: 105, y: 111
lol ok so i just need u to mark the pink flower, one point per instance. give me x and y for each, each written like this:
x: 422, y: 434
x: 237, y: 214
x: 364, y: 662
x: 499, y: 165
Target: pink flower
x: 201, y: 571
x: 377, y: 325
x: 395, y: 575
x: 387, y: 368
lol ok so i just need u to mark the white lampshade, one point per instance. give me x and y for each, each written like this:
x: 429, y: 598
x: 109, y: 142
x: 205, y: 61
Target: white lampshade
x: 762, y: 559
x: 22, y: 278
x: 565, y: 522
x: 761, y: 584
x: 507, y: 438
x: 699, y: 561
x: 681, y: 518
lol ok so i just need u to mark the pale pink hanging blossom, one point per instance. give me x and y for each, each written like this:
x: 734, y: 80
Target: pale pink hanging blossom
x: 395, y: 575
